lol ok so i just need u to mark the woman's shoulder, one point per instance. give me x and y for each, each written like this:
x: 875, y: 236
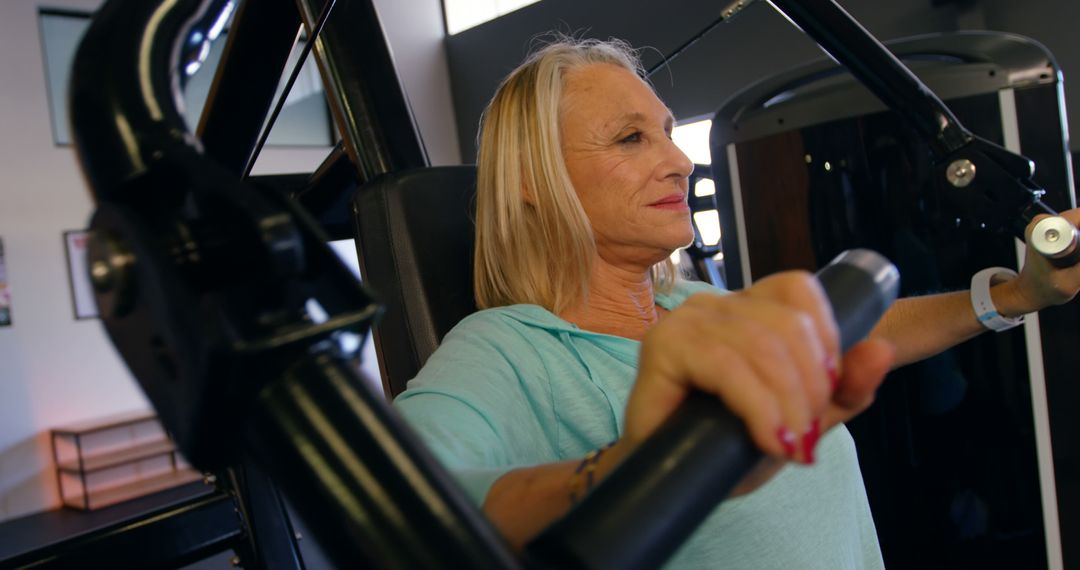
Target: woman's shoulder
x: 499, y: 343
x: 499, y: 320
x: 491, y: 339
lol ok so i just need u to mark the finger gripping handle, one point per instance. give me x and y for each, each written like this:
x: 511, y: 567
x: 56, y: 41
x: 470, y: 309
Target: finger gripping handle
x: 640, y: 514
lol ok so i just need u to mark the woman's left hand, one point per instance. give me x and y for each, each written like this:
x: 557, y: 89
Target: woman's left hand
x: 1041, y: 284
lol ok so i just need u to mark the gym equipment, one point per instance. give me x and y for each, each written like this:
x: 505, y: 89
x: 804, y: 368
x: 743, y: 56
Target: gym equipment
x: 204, y: 279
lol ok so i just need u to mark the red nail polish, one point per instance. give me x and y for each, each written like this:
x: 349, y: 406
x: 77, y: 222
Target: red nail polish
x: 834, y: 374
x: 810, y: 439
x: 787, y: 439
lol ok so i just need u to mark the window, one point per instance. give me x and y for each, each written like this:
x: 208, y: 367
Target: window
x: 304, y: 121
x: 464, y: 14
x: 693, y: 139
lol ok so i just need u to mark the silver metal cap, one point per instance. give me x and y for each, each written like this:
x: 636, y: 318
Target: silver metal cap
x: 1054, y: 237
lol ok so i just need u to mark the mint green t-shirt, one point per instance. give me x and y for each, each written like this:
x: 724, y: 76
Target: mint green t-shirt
x: 518, y: 386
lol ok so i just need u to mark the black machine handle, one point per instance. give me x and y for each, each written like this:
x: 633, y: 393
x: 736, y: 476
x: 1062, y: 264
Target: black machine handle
x: 639, y: 515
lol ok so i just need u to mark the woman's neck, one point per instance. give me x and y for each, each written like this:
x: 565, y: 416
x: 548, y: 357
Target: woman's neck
x: 620, y: 302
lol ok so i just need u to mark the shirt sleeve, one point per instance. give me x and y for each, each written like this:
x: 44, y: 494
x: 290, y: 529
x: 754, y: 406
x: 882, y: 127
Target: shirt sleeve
x: 472, y: 406
x: 459, y: 436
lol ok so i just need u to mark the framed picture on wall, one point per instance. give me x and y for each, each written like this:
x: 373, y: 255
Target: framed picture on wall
x: 82, y: 292
x: 5, y: 291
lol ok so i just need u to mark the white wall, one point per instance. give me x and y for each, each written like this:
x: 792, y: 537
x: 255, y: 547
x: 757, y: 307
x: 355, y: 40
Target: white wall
x: 55, y: 370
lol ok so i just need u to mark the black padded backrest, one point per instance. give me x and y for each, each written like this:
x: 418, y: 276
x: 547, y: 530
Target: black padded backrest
x: 415, y: 240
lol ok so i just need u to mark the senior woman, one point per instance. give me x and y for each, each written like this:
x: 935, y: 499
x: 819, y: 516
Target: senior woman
x: 587, y: 341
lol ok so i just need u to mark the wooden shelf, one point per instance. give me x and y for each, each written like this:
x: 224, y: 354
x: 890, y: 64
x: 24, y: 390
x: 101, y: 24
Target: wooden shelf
x: 106, y: 423
x: 105, y: 460
x: 111, y: 496
x: 128, y: 447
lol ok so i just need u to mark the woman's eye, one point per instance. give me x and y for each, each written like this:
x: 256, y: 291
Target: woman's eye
x: 631, y: 138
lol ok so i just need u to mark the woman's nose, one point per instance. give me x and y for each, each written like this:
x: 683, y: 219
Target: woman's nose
x: 680, y: 164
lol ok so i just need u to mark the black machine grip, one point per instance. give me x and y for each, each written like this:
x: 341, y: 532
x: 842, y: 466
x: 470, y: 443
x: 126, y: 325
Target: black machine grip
x: 640, y: 514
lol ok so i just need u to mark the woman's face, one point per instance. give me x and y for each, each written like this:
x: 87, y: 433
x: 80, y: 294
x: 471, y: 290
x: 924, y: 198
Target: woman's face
x: 630, y: 177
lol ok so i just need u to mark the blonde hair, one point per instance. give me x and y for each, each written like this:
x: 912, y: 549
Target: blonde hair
x: 534, y: 243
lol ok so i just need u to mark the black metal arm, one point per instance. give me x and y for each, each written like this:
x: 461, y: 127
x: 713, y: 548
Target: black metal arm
x: 990, y: 182
x: 879, y: 70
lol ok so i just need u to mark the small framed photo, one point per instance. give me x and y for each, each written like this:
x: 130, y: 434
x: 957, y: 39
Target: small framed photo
x: 5, y: 291
x: 82, y: 291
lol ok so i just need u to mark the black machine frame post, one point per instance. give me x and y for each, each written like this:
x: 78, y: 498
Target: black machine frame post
x: 260, y: 38
x: 203, y: 281
x: 367, y: 100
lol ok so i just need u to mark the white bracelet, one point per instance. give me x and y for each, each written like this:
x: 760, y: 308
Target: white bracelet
x: 985, y: 310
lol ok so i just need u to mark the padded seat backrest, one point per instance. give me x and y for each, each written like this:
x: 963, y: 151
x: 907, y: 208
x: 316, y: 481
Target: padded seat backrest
x: 415, y: 241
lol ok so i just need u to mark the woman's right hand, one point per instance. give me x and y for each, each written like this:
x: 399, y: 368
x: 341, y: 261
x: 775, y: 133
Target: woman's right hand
x: 770, y: 352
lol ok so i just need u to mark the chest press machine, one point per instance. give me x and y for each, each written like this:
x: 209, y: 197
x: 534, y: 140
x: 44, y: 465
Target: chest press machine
x: 203, y: 277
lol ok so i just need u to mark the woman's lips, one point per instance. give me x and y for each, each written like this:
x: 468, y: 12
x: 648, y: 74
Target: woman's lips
x: 672, y: 202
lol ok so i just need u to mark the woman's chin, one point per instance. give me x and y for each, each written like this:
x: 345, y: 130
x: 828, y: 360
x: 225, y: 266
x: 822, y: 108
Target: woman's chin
x: 684, y: 239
